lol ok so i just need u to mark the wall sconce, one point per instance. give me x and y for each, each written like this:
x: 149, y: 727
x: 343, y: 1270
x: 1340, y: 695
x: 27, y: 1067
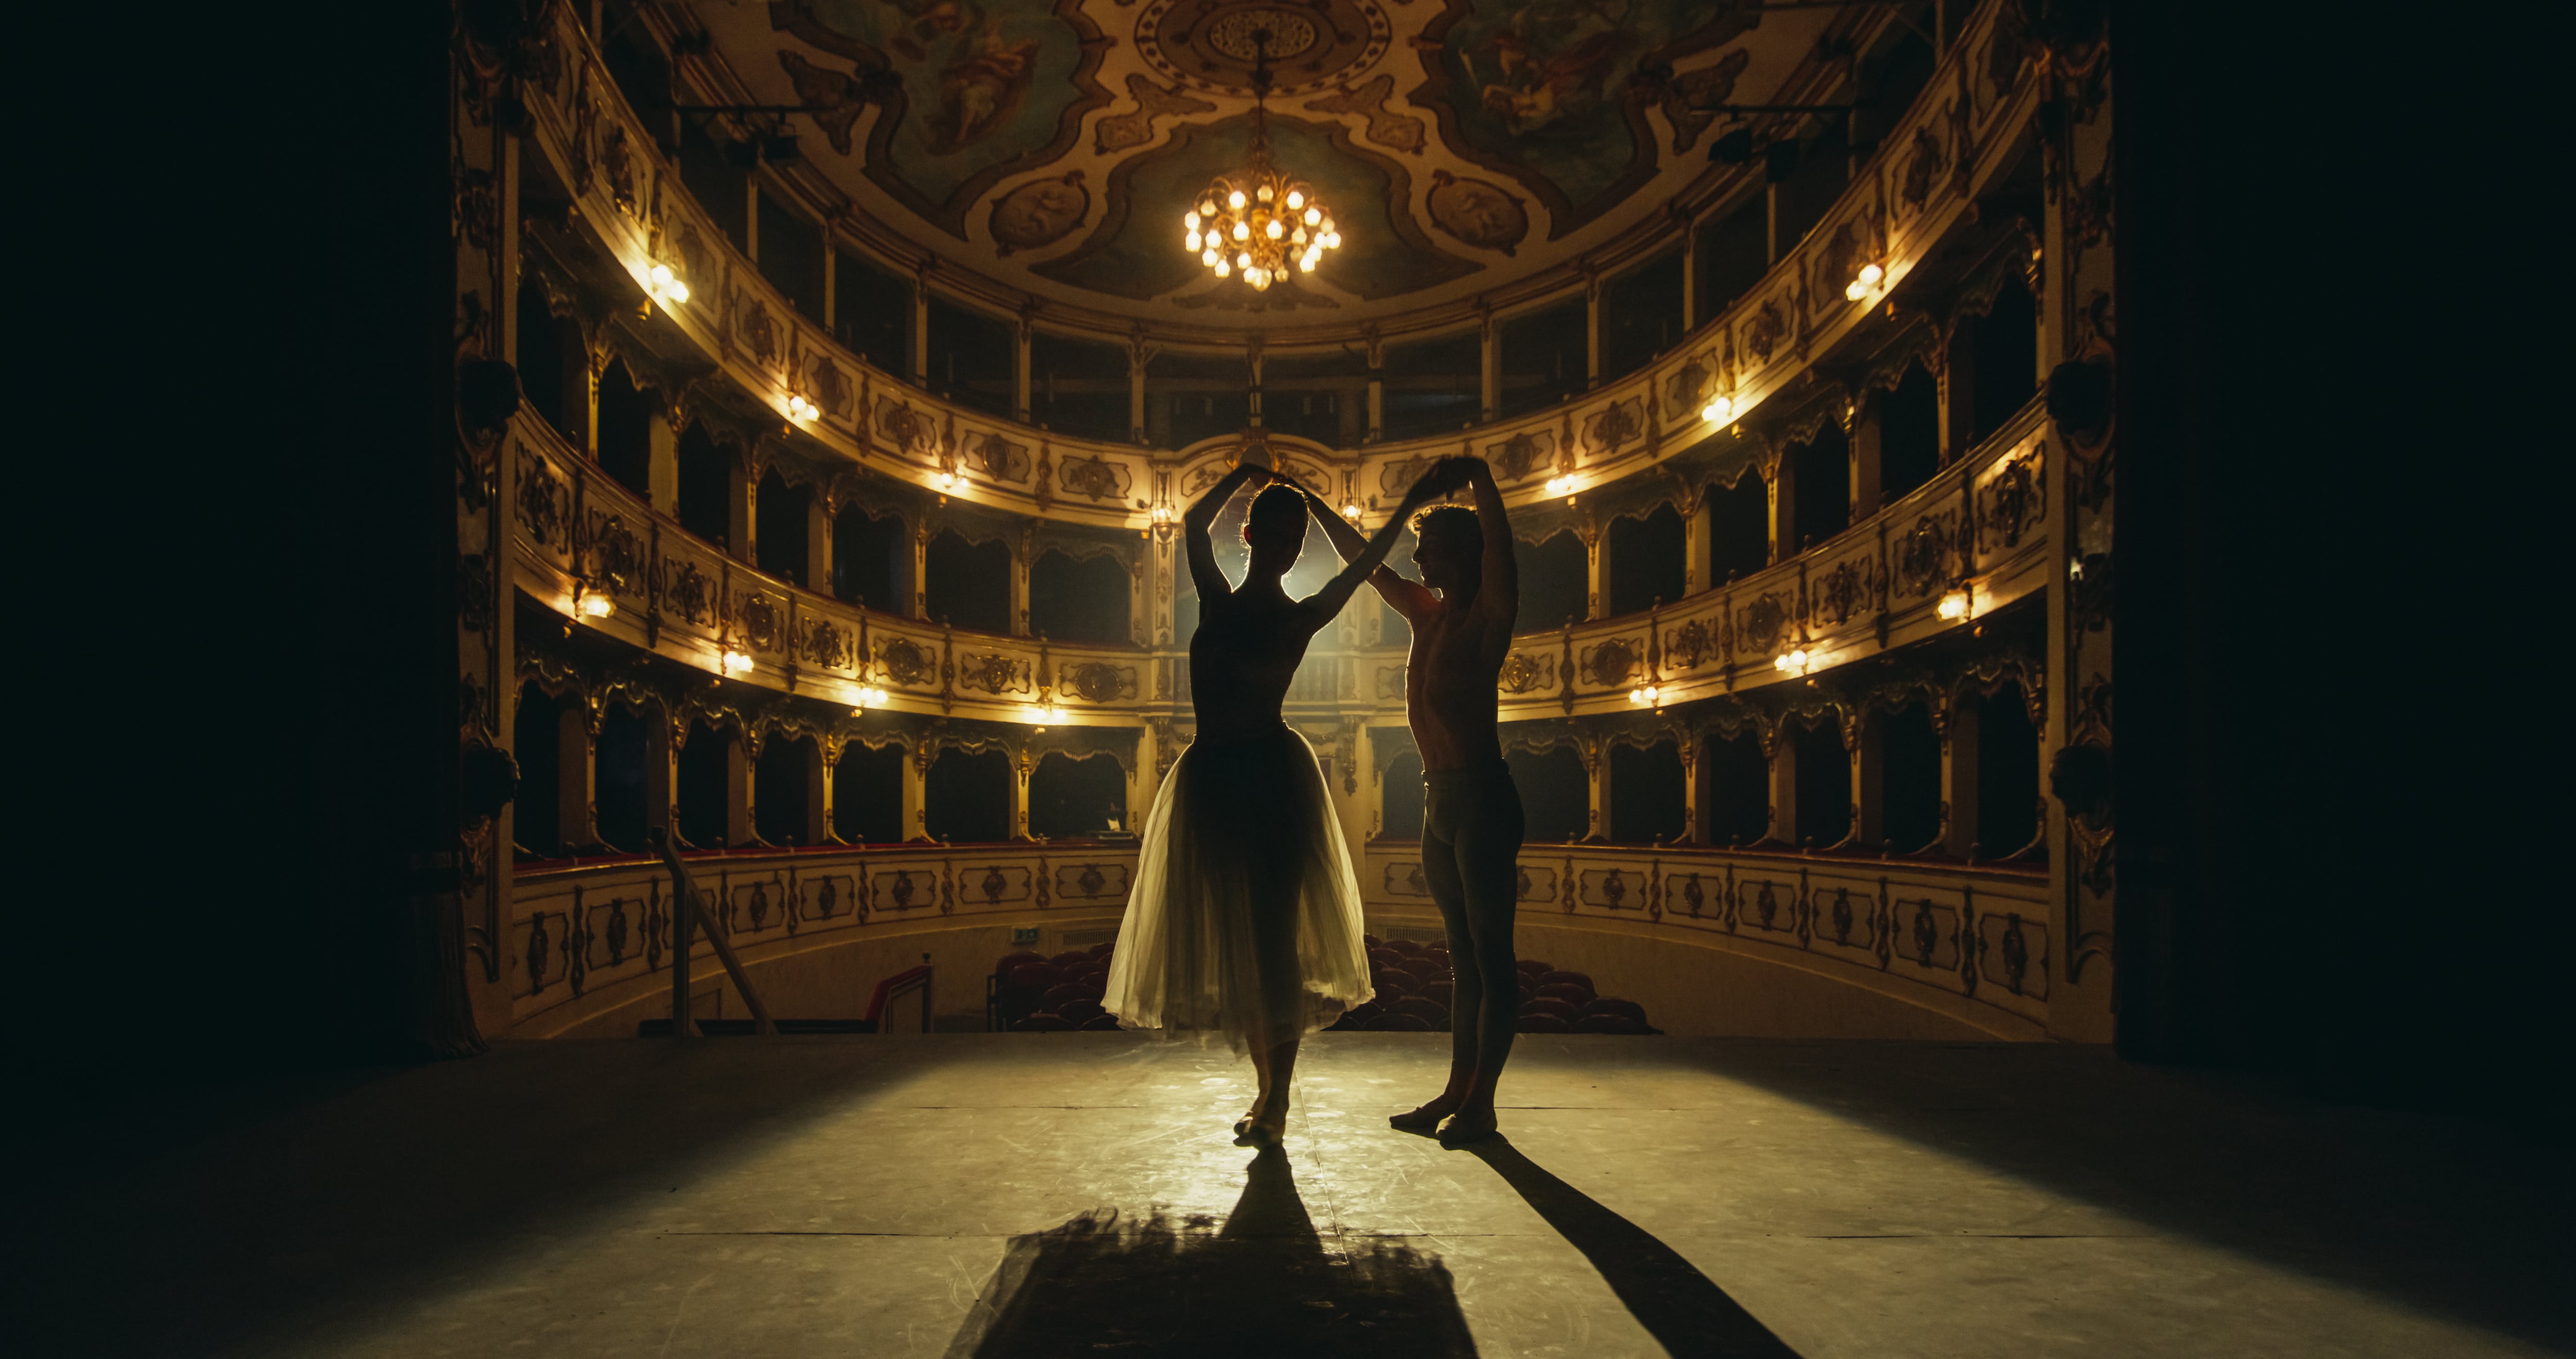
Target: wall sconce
x: 869, y: 697
x: 1870, y: 277
x: 592, y: 604
x: 665, y: 287
x: 1954, y: 604
x: 1648, y: 696
x: 1797, y: 660
x: 798, y: 408
x: 946, y: 480
x: 1351, y: 510
x: 736, y: 662
x: 1162, y: 516
x: 1718, y: 410
x: 1560, y: 484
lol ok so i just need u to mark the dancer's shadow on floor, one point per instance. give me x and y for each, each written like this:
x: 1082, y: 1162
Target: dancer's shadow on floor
x: 1262, y: 1283
x: 1684, y: 1311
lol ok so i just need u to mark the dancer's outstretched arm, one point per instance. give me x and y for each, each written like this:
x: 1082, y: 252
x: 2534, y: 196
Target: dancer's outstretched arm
x: 1498, y: 594
x: 1407, y: 597
x: 1195, y: 520
x: 1326, y: 603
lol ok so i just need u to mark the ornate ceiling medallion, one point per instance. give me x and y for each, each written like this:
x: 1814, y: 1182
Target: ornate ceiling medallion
x: 1258, y: 220
x: 1208, y: 44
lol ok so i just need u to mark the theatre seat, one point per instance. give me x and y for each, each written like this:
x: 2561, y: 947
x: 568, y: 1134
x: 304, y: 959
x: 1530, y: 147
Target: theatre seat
x: 1613, y: 1005
x: 1101, y: 1023
x: 1567, y: 979
x: 1576, y: 996
x: 1042, y: 1023
x: 1530, y: 1023
x: 1549, y: 1005
x: 1398, y: 1024
x: 1608, y: 1024
x: 1429, y: 1011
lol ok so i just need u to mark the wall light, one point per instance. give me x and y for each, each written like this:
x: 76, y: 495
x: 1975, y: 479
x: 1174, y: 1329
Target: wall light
x: 1351, y: 510
x: 736, y: 662
x: 1718, y: 409
x: 666, y: 286
x: 1559, y: 485
x: 800, y: 408
x: 1794, y: 661
x: 1954, y: 605
x: 1870, y: 275
x: 869, y: 697
x: 946, y: 480
x: 1647, y: 697
x: 595, y: 605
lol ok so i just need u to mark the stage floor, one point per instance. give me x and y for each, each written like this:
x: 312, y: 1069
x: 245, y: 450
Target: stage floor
x: 1080, y: 1194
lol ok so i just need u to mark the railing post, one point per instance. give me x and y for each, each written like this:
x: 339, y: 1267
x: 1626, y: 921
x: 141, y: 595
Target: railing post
x: 684, y: 909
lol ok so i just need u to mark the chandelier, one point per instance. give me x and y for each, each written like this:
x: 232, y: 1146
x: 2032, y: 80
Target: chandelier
x: 1258, y: 221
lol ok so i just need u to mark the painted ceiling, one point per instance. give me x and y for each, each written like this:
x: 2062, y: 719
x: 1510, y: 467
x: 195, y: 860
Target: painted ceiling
x: 1052, y: 145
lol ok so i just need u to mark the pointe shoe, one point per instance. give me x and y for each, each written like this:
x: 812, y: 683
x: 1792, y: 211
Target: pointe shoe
x: 1462, y: 1128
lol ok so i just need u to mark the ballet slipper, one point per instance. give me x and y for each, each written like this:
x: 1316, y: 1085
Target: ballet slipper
x: 1467, y: 1127
x: 1424, y: 1118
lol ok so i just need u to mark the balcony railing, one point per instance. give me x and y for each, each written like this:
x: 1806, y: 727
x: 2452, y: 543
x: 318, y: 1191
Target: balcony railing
x: 1976, y: 535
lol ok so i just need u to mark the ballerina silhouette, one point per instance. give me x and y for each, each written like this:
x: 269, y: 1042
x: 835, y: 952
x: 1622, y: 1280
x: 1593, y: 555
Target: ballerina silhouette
x: 1245, y: 917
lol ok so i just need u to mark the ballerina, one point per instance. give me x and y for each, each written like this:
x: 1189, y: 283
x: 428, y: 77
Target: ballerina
x: 1245, y: 916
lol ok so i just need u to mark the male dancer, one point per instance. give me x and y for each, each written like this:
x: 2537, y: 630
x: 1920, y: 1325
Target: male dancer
x: 1461, y: 615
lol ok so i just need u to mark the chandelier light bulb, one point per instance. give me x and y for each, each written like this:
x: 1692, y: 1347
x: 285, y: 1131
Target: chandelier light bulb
x: 1270, y: 225
x: 1190, y: 242
x: 1190, y: 220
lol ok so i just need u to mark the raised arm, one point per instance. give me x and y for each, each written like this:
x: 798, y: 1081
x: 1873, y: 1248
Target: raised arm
x: 1328, y: 602
x: 1498, y: 598
x: 1195, y: 520
x: 1409, y: 598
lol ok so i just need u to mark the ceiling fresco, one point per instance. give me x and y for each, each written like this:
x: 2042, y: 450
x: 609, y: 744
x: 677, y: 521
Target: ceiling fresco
x: 1050, y: 146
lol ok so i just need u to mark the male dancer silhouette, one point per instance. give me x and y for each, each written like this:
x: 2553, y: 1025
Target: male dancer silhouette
x: 1461, y: 615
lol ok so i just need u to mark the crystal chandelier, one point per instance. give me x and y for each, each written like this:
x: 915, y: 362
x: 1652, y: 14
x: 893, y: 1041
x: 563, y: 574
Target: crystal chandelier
x: 1258, y: 221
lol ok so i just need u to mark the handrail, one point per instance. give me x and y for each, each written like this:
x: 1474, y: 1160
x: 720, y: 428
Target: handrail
x: 684, y: 912
x: 910, y: 979
x: 1956, y: 135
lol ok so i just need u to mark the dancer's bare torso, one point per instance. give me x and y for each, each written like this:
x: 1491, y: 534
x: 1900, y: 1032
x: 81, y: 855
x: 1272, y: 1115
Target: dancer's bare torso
x: 1449, y: 678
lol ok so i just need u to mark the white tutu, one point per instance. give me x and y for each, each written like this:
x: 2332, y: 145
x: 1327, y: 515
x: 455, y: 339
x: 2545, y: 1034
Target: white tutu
x: 1245, y: 916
